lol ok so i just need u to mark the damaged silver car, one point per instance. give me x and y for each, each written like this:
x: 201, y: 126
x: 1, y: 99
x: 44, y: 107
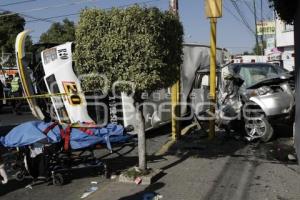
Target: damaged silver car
x: 255, y: 96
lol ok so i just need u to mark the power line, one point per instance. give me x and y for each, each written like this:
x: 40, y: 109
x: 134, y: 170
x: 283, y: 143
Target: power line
x: 52, y: 6
x: 15, y: 3
x: 235, y: 5
x: 241, y: 15
x: 77, y: 13
x: 54, y: 17
x: 237, y: 18
x: 249, y: 7
x: 28, y: 16
x: 252, y: 9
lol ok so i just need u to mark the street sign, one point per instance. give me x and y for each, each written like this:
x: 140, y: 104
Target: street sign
x: 266, y: 28
x: 213, y: 8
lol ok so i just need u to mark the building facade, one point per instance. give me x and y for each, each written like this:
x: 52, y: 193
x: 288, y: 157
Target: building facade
x: 281, y: 46
x: 285, y: 43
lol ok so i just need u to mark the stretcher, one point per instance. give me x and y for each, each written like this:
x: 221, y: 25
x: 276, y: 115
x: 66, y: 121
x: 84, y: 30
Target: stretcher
x: 61, y: 148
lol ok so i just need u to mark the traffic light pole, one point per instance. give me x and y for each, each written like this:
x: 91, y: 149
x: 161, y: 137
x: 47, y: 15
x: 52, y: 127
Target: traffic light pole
x: 213, y: 65
x: 175, y: 90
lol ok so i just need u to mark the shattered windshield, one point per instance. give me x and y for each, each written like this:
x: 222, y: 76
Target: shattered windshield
x: 254, y: 73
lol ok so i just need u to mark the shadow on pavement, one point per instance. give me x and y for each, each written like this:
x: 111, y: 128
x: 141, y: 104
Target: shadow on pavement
x: 195, y: 145
x: 150, y: 189
x: 13, y: 185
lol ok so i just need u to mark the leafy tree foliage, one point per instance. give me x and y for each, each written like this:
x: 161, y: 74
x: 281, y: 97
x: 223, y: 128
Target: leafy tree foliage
x: 286, y: 9
x: 59, y: 33
x: 258, y: 49
x: 247, y: 53
x: 142, y: 45
x: 10, y: 26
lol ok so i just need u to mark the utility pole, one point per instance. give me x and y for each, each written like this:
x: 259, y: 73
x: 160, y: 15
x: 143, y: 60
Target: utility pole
x: 175, y: 90
x: 174, y: 7
x: 213, y: 10
x: 255, y: 20
x: 275, y: 21
x: 262, y: 25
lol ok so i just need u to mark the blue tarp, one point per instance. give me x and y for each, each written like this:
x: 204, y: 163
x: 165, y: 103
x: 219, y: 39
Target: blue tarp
x: 32, y: 132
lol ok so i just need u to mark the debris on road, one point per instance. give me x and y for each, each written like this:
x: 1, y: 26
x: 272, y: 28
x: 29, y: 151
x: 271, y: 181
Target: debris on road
x: 291, y: 157
x: 138, y: 180
x: 152, y: 196
x: 112, y: 177
x: 89, y: 191
x: 28, y: 187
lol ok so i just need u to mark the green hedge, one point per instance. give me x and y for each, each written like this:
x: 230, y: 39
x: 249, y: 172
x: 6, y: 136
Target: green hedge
x: 138, y: 44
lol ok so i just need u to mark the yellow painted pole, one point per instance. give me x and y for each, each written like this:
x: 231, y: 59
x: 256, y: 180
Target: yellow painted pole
x: 175, y: 100
x: 175, y: 90
x: 213, y: 47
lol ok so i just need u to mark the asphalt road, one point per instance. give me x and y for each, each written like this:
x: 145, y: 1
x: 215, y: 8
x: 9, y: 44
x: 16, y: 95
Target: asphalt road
x: 194, y: 168
x: 10, y: 120
x: 222, y: 169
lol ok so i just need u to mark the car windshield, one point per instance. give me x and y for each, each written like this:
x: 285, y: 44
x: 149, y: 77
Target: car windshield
x: 254, y: 73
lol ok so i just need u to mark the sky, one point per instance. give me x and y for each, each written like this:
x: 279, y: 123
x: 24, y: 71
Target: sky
x: 232, y: 33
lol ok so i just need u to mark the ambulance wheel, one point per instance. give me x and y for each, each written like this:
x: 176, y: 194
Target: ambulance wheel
x: 20, y: 176
x: 58, y: 179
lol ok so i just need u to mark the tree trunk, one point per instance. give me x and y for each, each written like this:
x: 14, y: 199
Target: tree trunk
x: 141, y: 140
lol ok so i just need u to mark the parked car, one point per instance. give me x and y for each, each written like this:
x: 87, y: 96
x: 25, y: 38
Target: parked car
x: 254, y: 95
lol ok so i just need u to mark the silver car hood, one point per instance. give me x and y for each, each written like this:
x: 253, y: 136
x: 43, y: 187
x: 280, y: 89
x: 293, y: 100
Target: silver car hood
x: 272, y: 80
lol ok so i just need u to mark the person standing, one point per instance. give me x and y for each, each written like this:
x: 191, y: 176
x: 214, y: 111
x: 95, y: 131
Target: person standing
x: 16, y: 91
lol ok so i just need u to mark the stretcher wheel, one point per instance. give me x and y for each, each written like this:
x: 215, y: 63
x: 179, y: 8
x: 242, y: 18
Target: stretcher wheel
x: 20, y: 176
x: 106, y: 171
x: 58, y: 179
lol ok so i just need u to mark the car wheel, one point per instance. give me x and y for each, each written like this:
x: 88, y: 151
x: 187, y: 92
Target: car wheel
x: 259, y: 128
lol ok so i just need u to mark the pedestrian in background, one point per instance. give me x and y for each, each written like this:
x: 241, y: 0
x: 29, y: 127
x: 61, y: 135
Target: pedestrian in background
x: 16, y: 91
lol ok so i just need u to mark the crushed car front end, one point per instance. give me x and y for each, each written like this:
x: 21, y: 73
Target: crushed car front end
x: 265, y: 97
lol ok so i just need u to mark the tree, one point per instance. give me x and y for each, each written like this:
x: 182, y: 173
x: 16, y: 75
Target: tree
x: 10, y: 26
x: 246, y: 53
x: 59, y: 33
x: 139, y: 45
x: 258, y: 49
x: 286, y: 9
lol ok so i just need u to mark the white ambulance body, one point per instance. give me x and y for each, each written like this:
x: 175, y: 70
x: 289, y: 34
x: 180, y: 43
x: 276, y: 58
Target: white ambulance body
x: 284, y: 59
x: 61, y: 79
x: 249, y: 59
